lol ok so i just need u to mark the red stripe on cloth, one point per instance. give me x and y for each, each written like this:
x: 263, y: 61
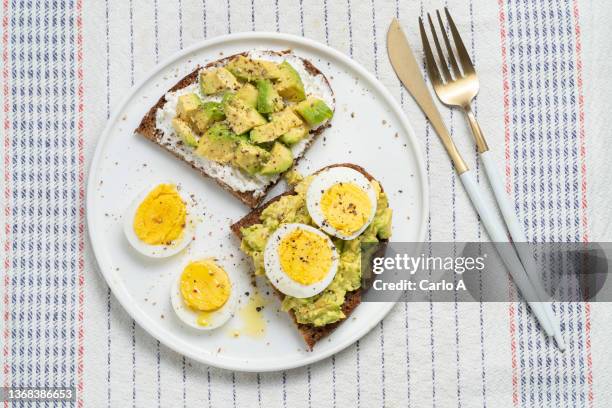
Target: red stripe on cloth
x: 506, y: 94
x: 506, y: 98
x: 583, y: 201
x: 81, y: 178
x: 7, y: 189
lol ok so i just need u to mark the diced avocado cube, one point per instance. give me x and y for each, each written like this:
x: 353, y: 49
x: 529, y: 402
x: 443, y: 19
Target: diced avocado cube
x: 187, y: 104
x: 280, y: 124
x: 226, y: 98
x: 219, y: 143
x: 241, y: 116
x: 250, y: 158
x: 206, y: 115
x: 281, y: 159
x: 248, y: 93
x: 268, y: 100
x: 271, y: 69
x: 215, y: 80
x: 314, y: 111
x: 187, y: 135
x: 215, y: 109
x: 247, y: 69
x: 290, y: 85
x: 294, y: 135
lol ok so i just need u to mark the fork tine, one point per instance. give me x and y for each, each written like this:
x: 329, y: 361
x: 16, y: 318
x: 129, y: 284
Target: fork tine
x: 432, y: 68
x: 451, y: 54
x: 464, y: 55
x: 443, y: 63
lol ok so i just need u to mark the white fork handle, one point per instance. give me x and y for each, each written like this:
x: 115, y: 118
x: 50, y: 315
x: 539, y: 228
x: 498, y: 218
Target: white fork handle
x: 518, y: 235
x: 498, y: 236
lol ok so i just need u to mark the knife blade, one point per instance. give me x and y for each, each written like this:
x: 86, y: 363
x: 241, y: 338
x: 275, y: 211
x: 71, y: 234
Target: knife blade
x: 407, y: 69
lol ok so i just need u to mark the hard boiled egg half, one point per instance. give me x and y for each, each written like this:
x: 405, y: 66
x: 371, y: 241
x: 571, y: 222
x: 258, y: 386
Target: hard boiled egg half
x: 159, y: 222
x: 203, y: 296
x: 300, y: 260
x: 341, y: 201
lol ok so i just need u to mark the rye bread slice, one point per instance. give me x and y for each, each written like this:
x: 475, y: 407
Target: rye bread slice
x: 311, y: 334
x: 148, y: 129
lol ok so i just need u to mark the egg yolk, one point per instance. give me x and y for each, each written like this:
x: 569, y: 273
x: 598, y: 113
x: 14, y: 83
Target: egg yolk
x: 346, y: 207
x: 160, y: 218
x: 305, y: 256
x: 205, y: 287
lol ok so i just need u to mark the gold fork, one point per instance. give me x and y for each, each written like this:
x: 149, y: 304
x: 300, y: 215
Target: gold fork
x: 458, y: 88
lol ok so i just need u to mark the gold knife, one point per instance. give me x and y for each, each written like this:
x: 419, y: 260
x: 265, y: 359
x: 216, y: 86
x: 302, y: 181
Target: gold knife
x: 408, y: 71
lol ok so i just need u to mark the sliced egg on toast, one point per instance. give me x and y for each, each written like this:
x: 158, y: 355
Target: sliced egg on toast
x: 300, y: 260
x: 341, y: 201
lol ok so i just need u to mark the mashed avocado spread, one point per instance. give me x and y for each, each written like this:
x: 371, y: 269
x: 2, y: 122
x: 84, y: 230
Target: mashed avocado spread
x: 325, y: 307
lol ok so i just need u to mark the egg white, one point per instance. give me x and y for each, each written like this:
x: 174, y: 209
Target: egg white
x: 279, y: 279
x: 325, y: 180
x: 189, y: 316
x: 159, y: 251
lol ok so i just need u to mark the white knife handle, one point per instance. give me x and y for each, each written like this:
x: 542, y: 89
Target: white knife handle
x: 512, y: 221
x: 498, y: 236
x: 518, y: 235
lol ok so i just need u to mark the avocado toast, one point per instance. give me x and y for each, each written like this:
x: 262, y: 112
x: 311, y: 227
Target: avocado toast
x: 282, y: 209
x: 243, y: 120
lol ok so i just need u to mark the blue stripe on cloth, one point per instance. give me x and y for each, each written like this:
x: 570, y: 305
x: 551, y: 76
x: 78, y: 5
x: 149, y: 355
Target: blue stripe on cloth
x: 204, y: 25
x: 429, y: 237
x: 453, y: 176
x: 131, y: 18
x: 180, y: 23
x: 554, y: 68
x: 540, y: 58
x: 208, y: 382
x: 479, y: 225
x: 234, y: 389
x: 133, y: 334
x: 528, y: 121
x: 277, y: 16
x: 358, y: 374
x: 253, y: 14
x: 229, y: 17
x: 44, y: 201
x: 406, y: 314
x: 546, y: 181
x: 333, y: 360
x: 381, y: 324
x: 301, y: 18
x: 326, y: 20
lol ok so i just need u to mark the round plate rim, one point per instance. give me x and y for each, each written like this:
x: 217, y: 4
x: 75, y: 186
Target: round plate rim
x: 119, y: 291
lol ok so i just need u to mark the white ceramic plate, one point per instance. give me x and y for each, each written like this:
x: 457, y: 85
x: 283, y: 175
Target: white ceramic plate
x: 368, y: 129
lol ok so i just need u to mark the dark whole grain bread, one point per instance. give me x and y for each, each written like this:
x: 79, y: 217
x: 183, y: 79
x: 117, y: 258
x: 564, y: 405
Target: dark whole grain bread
x: 147, y: 127
x: 311, y: 334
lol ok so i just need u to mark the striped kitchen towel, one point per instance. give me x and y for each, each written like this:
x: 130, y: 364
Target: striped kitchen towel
x: 544, y: 71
